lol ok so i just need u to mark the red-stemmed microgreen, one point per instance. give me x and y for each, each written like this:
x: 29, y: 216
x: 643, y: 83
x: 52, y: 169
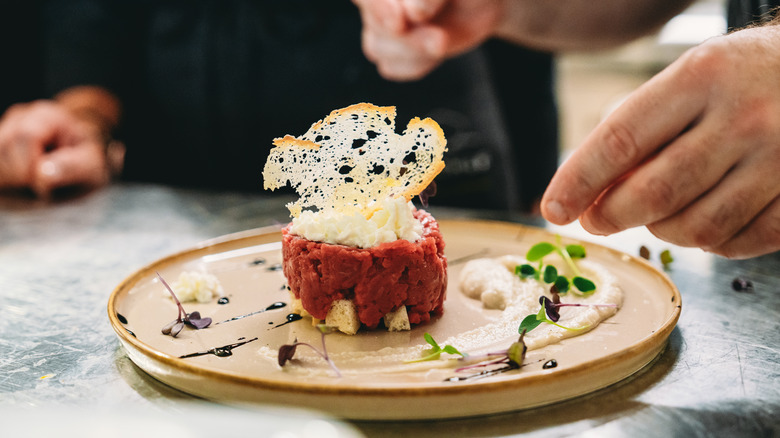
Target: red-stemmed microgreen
x: 512, y: 357
x: 435, y: 351
x: 193, y: 319
x: 287, y: 351
x: 548, y: 313
x: 549, y: 273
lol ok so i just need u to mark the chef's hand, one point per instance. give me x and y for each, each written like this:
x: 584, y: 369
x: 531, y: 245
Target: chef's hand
x: 407, y: 39
x: 693, y: 154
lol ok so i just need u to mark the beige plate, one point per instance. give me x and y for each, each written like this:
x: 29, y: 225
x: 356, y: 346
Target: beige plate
x: 376, y: 385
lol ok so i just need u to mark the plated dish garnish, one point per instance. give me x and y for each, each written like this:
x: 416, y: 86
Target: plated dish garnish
x: 358, y: 252
x: 383, y: 374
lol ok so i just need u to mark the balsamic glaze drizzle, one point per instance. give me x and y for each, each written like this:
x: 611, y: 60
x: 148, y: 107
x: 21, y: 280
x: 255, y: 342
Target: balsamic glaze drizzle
x: 276, y: 267
x: 292, y: 317
x: 482, y: 374
x: 223, y: 351
x: 552, y: 363
x: 223, y: 300
x: 276, y: 305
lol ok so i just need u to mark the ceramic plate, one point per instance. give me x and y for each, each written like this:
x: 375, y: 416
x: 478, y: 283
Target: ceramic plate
x: 376, y: 383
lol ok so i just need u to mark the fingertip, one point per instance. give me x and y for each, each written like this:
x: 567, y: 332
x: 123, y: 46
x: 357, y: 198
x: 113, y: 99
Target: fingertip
x: 597, y: 224
x: 419, y: 11
x: 47, y: 174
x: 434, y: 41
x: 553, y: 211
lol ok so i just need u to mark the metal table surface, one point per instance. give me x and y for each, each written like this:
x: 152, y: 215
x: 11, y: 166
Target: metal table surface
x: 61, y: 364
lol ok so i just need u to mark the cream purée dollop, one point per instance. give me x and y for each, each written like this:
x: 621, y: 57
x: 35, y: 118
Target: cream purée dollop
x: 392, y: 220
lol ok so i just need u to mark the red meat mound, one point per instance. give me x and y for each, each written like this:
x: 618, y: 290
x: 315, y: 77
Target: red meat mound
x: 378, y: 279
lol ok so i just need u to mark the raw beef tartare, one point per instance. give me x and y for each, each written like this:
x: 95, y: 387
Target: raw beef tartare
x: 378, y: 280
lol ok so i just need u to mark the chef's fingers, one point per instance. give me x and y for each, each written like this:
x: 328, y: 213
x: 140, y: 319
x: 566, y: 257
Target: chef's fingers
x: 733, y: 207
x: 421, y: 11
x: 761, y: 236
x: 407, y: 57
x: 647, y: 121
x: 386, y: 16
x: 26, y: 132
x: 665, y: 183
x: 82, y: 165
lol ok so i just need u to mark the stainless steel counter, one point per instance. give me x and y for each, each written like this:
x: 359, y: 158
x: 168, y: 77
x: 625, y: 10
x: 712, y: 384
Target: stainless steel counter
x: 61, y: 365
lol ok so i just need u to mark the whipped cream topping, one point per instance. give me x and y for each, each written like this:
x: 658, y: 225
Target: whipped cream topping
x: 392, y: 219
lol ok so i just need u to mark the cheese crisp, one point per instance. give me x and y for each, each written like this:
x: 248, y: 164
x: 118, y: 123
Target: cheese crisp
x: 353, y: 158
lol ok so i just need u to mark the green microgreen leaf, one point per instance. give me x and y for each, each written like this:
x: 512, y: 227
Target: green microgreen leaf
x: 529, y: 323
x: 526, y: 271
x: 576, y: 251
x: 538, y: 251
x: 562, y: 284
x: 429, y: 339
x: 550, y: 274
x: 435, y: 351
x: 583, y: 285
x: 452, y: 350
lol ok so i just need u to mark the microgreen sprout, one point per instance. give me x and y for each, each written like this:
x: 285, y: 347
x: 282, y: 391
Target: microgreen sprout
x: 666, y: 258
x: 435, y: 351
x: 549, y: 273
x: 287, y: 351
x: 548, y: 312
x: 512, y: 357
x: 193, y: 319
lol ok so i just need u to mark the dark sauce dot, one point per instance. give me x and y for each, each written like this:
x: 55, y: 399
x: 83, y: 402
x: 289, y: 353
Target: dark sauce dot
x: 223, y: 300
x: 276, y: 267
x: 223, y: 352
x: 552, y: 363
x: 258, y: 261
x: 276, y: 305
x: 121, y: 318
x: 739, y: 284
x: 131, y: 333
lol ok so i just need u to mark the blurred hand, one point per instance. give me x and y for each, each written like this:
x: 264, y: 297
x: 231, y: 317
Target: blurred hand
x: 693, y: 154
x: 44, y: 147
x: 407, y: 39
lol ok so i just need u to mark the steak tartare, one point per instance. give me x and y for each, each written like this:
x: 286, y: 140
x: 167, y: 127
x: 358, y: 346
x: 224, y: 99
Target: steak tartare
x: 378, y: 280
